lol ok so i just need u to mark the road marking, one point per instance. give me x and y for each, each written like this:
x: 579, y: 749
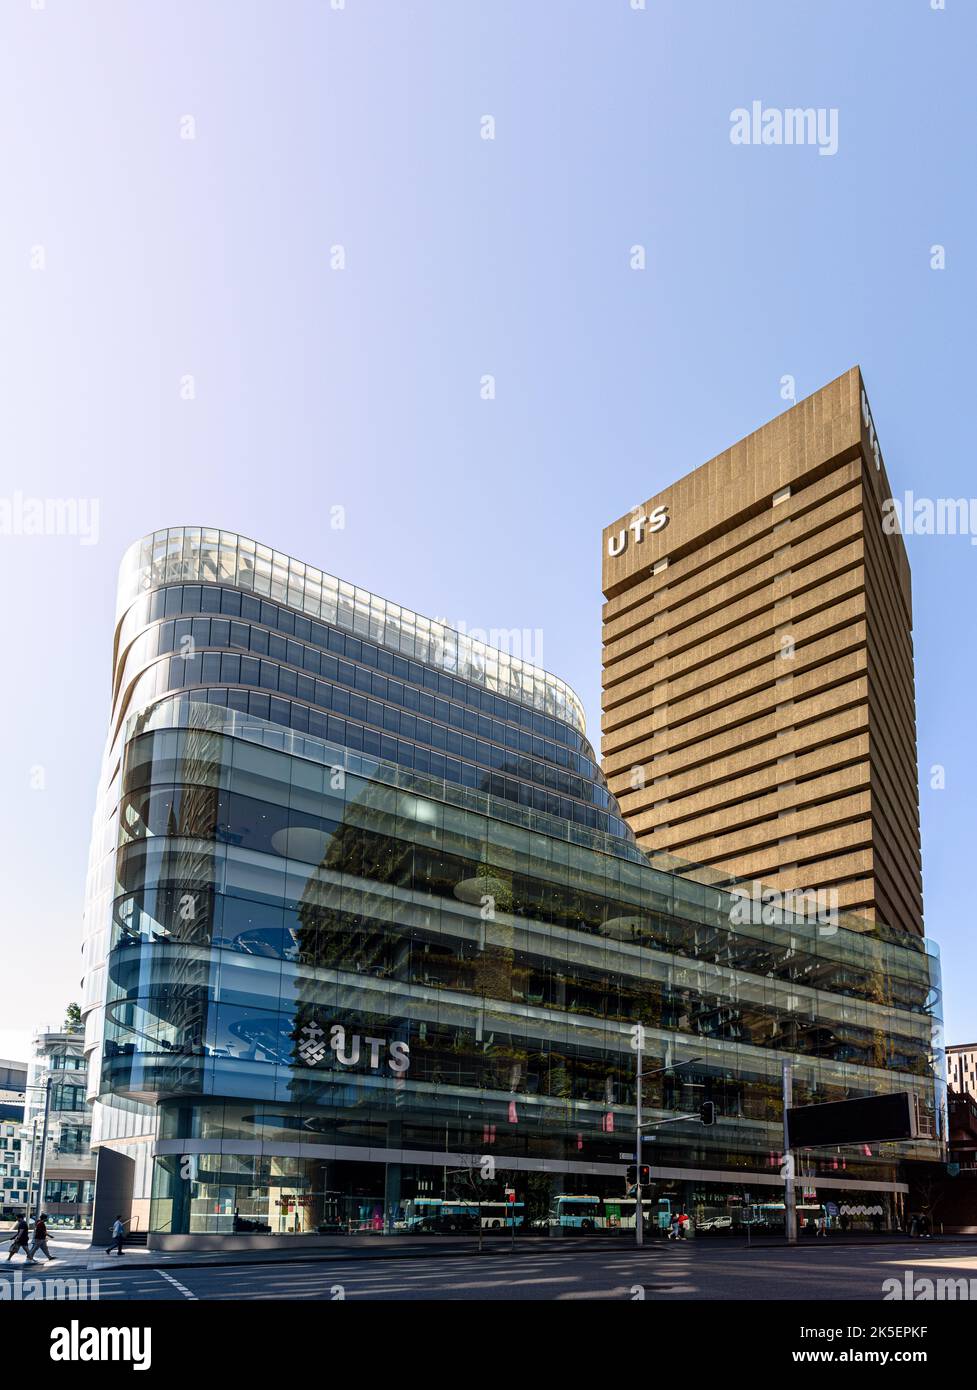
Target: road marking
x: 935, y: 1261
x: 176, y: 1284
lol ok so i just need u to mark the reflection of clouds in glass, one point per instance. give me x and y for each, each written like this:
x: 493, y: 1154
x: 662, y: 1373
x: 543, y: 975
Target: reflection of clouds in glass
x: 476, y: 890
x: 188, y: 554
x: 265, y: 1037
x: 301, y: 842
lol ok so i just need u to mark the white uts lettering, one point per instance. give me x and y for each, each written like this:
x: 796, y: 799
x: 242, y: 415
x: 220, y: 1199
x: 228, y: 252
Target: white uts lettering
x: 873, y: 442
x: 347, y: 1050
x: 350, y: 1048
x: 639, y: 526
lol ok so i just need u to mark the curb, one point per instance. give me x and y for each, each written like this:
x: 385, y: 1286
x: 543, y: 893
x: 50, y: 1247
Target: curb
x: 314, y: 1256
x: 321, y: 1256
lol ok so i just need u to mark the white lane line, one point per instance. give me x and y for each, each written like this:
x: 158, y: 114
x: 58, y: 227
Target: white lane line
x: 176, y: 1284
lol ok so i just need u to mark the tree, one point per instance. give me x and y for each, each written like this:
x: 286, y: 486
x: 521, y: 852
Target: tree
x: 72, y: 1018
x: 930, y: 1188
x: 473, y: 1184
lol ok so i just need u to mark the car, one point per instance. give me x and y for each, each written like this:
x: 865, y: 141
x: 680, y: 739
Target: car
x: 716, y: 1223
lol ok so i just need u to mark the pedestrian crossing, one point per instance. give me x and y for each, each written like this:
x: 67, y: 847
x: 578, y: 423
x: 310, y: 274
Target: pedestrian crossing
x: 658, y: 1273
x: 456, y: 1277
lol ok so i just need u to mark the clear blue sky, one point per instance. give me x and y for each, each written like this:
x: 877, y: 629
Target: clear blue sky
x: 360, y: 126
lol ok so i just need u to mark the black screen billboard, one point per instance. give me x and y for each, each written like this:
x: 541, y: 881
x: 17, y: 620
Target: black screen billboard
x: 876, y: 1118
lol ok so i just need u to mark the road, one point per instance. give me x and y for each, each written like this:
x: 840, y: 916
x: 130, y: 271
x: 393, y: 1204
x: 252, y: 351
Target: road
x: 661, y: 1273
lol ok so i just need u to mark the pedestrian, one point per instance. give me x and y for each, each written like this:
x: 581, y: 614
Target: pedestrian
x: 118, y: 1235
x: 21, y: 1240
x: 683, y: 1225
x: 823, y: 1226
x: 676, y: 1225
x: 40, y: 1238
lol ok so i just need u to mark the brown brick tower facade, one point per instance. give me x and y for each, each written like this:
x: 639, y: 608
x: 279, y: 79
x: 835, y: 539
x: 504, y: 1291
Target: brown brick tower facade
x: 759, y: 695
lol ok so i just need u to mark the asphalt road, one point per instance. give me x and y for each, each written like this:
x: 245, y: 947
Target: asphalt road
x: 661, y: 1273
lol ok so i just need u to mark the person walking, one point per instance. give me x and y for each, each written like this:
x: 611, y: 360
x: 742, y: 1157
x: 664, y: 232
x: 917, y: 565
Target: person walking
x: 40, y: 1238
x: 21, y: 1240
x: 118, y: 1235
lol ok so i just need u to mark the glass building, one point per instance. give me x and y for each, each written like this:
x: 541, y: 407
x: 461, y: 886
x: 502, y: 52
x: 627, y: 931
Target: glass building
x: 367, y: 942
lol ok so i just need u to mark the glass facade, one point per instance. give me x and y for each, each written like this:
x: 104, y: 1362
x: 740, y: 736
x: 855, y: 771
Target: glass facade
x: 364, y: 697
x: 195, y: 553
x: 360, y: 975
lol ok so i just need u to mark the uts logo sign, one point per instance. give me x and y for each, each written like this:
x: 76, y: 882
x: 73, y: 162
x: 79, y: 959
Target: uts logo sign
x: 314, y: 1046
x: 655, y: 520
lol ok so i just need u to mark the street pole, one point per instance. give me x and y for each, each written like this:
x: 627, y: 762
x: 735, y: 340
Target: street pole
x: 30, y: 1171
x: 639, y: 1219
x: 639, y: 1216
x: 40, y: 1174
x: 790, y: 1201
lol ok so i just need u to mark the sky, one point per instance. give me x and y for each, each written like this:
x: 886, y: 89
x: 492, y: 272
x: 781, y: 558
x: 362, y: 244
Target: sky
x: 358, y: 280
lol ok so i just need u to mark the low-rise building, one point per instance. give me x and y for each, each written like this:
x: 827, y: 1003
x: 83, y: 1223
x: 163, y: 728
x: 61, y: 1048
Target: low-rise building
x: 69, y: 1167
x: 13, y: 1153
x: 961, y: 1066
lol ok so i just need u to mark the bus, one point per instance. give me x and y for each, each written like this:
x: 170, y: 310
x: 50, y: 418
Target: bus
x: 772, y: 1215
x: 451, y: 1216
x: 504, y: 1214
x: 585, y: 1213
x: 438, y: 1214
x: 618, y: 1213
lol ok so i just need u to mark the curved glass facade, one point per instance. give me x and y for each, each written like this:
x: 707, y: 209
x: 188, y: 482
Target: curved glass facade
x: 341, y: 956
x: 199, y: 554
x: 264, y: 660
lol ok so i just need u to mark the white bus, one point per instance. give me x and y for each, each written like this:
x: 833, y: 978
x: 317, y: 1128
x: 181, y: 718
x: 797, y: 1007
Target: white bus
x: 452, y: 1216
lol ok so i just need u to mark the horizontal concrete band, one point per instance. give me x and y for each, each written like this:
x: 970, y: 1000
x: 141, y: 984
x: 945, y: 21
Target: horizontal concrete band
x: 739, y: 1177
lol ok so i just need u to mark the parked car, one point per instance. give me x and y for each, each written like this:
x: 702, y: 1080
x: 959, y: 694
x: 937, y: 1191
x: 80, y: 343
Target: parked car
x: 716, y: 1223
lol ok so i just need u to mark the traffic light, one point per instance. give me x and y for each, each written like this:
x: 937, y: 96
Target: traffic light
x: 707, y: 1112
x: 633, y: 1172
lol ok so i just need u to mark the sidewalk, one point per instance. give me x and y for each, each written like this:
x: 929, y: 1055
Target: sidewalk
x: 72, y: 1256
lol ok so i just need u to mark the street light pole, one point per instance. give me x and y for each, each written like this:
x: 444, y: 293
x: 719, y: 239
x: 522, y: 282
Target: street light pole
x: 790, y: 1197
x: 30, y: 1171
x: 40, y: 1173
x: 639, y: 1216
